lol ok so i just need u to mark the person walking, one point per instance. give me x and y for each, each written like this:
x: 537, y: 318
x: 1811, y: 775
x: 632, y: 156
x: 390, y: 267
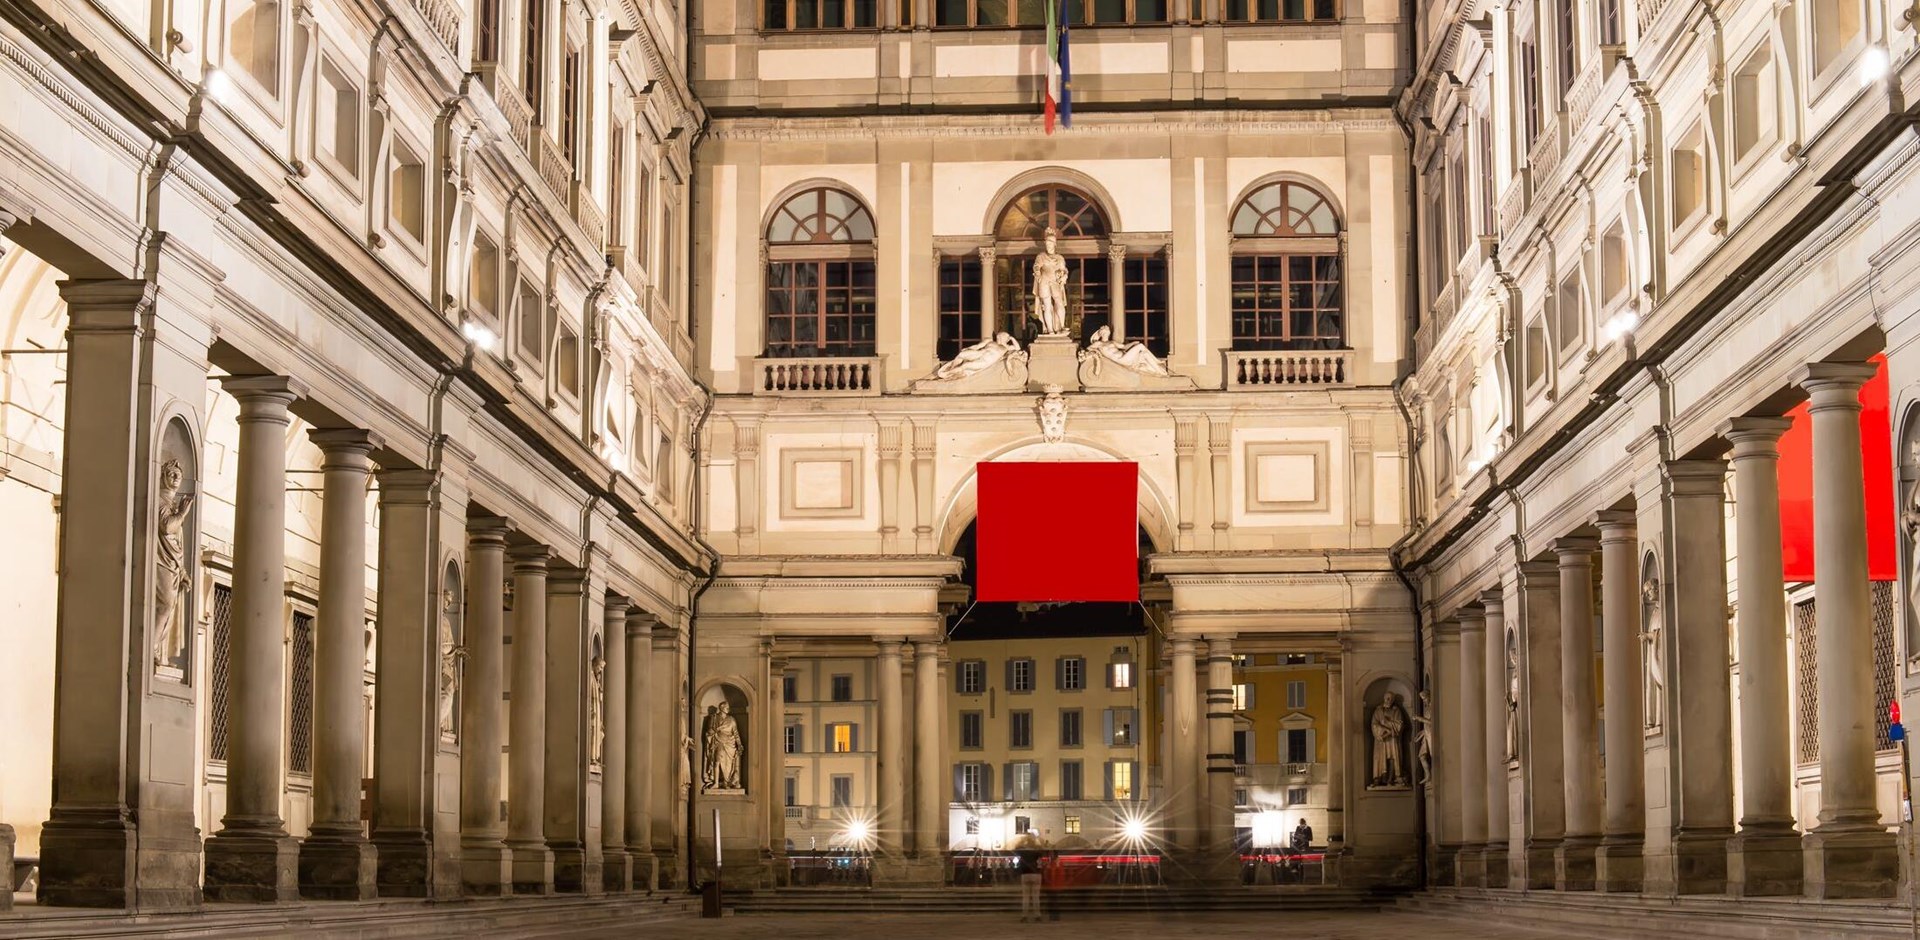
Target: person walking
x: 1027, y: 860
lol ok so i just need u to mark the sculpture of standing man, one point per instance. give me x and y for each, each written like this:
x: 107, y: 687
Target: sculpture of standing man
x: 722, y: 765
x: 1050, y: 288
x: 170, y: 581
x: 1388, y: 724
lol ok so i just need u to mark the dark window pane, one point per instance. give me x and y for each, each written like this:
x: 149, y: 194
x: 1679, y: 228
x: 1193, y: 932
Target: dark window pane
x: 833, y: 14
x: 950, y: 13
x: 991, y: 12
x: 776, y: 14
x: 1149, y: 11
x: 1109, y: 11
x: 1030, y: 12
x: 1293, y: 9
x: 865, y: 14
x: 1269, y: 10
x: 1236, y: 9
x: 1323, y: 10
x: 806, y: 15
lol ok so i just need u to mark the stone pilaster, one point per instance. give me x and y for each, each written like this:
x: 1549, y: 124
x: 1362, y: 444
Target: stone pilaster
x: 1469, y: 745
x: 252, y: 858
x: 1542, y: 768
x: 336, y: 861
x: 1617, y: 864
x: 573, y: 602
x: 1765, y: 857
x: 1442, y: 711
x: 641, y: 759
x: 1848, y: 852
x: 892, y: 776
x: 929, y: 713
x: 485, y: 863
x: 121, y: 831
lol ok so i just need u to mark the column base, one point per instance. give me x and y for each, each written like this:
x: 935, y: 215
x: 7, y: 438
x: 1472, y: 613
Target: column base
x: 6, y: 866
x: 486, y: 869
x: 1854, y: 863
x: 1537, y: 864
x: 901, y: 872
x: 1443, y: 871
x: 616, y: 870
x: 1618, y: 867
x: 1470, y: 867
x: 253, y: 867
x: 1700, y: 862
x: 575, y: 870
x: 646, y: 875
x: 404, y: 866
x: 1493, y: 861
x: 1573, y: 863
x: 1765, y: 863
x: 83, y: 863
x: 669, y: 872
x: 532, y: 868
x: 337, y: 868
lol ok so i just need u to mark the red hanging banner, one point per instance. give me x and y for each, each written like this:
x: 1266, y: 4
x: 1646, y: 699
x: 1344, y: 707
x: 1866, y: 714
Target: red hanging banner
x: 1055, y: 531
x: 1796, y: 485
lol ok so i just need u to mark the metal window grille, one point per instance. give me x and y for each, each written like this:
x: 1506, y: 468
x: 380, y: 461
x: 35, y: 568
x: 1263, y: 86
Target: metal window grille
x: 220, y: 638
x: 1806, y: 709
x: 300, y: 733
x: 1883, y: 664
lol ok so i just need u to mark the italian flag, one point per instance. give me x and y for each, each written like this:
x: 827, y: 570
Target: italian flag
x: 1059, y: 72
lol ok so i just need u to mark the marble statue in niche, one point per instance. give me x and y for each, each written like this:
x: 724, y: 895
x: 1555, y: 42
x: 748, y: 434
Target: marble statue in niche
x: 171, y: 579
x: 452, y: 655
x: 1050, y: 288
x: 1133, y: 357
x: 1423, y: 735
x: 1053, y: 415
x: 596, y: 706
x: 721, y: 770
x: 1653, y: 656
x: 1388, y: 728
x: 1513, y: 695
x: 1910, y: 527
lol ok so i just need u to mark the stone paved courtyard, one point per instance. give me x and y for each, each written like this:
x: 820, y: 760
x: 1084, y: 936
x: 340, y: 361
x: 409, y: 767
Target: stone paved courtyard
x: 1391, y: 925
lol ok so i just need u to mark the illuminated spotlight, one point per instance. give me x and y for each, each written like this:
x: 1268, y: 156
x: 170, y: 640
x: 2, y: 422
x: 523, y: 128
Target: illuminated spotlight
x: 1621, y: 324
x: 218, y: 86
x: 1873, y: 65
x: 1269, y: 829
x: 1134, y: 829
x: 859, y: 833
x: 479, y: 335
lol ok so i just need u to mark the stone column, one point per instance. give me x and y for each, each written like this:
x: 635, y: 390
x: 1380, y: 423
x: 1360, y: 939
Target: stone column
x: 1222, y: 856
x: 1848, y: 853
x: 1495, y: 711
x: 336, y: 861
x: 892, y: 761
x: 1117, y: 276
x: 252, y: 858
x: 1765, y: 858
x: 673, y: 765
x: 929, y: 714
x: 1702, y: 719
x: 987, y: 298
x: 1442, y: 711
x: 640, y: 759
x: 526, y: 724
x: 1337, y: 754
x: 1617, y: 865
x: 485, y: 863
x: 1183, y: 730
x: 121, y: 830
x: 613, y: 749
x: 571, y: 595
x: 1579, y: 716
x: 406, y: 691
x: 1469, y: 744
x: 1542, y: 764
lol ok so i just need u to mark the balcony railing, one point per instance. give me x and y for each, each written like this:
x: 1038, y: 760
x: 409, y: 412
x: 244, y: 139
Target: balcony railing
x: 1247, y: 370
x: 818, y: 376
x: 1580, y: 100
x: 1648, y: 10
x: 591, y: 219
x: 1513, y: 205
x: 1545, y: 157
x: 443, y: 17
x: 553, y: 167
x: 514, y: 107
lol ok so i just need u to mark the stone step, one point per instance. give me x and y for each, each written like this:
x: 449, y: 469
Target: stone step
x: 1629, y: 917
x: 371, y: 920
x: 965, y: 900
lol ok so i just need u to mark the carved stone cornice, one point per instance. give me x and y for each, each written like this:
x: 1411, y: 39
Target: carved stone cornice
x: 768, y: 129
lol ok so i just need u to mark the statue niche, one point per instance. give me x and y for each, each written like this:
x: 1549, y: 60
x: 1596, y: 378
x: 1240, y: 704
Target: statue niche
x: 723, y: 740
x: 175, y: 547
x: 1387, y: 726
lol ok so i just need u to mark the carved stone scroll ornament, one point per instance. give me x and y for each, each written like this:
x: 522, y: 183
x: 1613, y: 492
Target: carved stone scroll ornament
x: 171, y: 580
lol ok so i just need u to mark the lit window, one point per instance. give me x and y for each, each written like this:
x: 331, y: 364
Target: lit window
x: 1072, y: 825
x: 1120, y: 675
x: 841, y: 737
x: 1120, y: 727
x: 1120, y: 780
x: 1242, y: 696
x: 793, y: 739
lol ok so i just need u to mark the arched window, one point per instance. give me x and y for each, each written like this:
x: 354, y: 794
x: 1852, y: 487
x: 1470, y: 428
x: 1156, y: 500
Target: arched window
x: 1287, y: 277
x: 1094, y: 283
x: 1066, y: 211
x: 820, y: 276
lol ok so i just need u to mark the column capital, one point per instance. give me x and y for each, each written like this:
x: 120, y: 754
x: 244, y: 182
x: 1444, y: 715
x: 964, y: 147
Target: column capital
x: 640, y: 622
x: 402, y: 485
x: 529, y: 557
x: 1181, y: 644
x: 1447, y: 627
x: 1493, y: 602
x: 1545, y: 572
x: 565, y: 579
x: 616, y: 606
x: 1695, y: 477
x: 1616, y: 525
x: 1116, y: 252
x: 928, y: 648
x: 346, y: 447
x: 1471, y: 619
x: 487, y: 530
x: 889, y: 645
x: 1574, y: 549
x: 1755, y: 436
x: 263, y: 397
x: 106, y: 305
x: 1834, y: 385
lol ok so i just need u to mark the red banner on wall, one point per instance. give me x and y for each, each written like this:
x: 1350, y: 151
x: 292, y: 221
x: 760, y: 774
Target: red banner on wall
x: 1796, y: 485
x: 1051, y: 531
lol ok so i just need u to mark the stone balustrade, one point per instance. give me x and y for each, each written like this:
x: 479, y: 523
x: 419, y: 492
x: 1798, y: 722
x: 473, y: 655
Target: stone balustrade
x: 1247, y: 370
x: 818, y: 376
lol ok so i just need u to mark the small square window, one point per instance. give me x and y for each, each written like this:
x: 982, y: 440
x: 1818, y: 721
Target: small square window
x: 973, y: 677
x: 843, y: 688
x: 1297, y: 693
x: 1072, y: 825
x: 1020, y: 675
x: 1120, y: 675
x: 971, y: 731
x: 790, y: 687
